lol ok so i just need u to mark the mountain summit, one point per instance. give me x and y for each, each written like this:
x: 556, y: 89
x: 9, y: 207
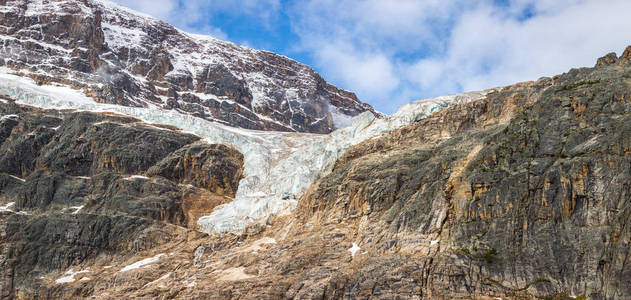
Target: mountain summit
x: 124, y: 175
x: 519, y: 192
x: 119, y: 56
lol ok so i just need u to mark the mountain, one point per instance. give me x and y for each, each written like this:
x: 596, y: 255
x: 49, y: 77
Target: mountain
x: 109, y: 192
x: 118, y: 56
x: 518, y: 192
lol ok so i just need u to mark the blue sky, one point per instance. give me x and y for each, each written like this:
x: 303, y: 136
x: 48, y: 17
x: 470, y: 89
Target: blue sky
x: 390, y: 52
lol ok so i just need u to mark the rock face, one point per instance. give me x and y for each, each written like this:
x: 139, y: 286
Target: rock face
x: 203, y: 165
x: 118, y: 56
x: 73, y: 191
x: 522, y: 194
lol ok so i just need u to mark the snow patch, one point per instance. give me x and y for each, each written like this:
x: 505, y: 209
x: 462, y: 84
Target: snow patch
x: 117, y: 36
x: 6, y: 206
x: 105, y: 122
x: 141, y: 263
x: 69, y: 278
x: 353, y: 249
x: 76, y: 208
x: 6, y: 117
x: 340, y: 120
x: 18, y: 178
x: 132, y: 177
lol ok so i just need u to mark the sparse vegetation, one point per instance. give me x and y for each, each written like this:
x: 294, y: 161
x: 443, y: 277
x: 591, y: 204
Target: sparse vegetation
x: 575, y: 85
x: 490, y: 256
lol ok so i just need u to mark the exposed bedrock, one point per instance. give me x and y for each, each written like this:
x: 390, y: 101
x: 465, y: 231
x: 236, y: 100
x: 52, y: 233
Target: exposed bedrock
x: 75, y: 190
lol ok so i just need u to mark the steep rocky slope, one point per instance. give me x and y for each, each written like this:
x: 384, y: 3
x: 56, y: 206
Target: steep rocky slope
x: 278, y: 166
x: 522, y: 194
x: 118, y: 56
x: 73, y: 189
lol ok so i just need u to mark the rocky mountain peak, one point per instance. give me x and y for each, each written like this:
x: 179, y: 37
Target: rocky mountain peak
x: 627, y: 53
x: 612, y: 58
x: 119, y: 56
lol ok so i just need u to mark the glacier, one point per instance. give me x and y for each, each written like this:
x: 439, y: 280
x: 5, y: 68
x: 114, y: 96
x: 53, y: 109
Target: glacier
x: 279, y: 166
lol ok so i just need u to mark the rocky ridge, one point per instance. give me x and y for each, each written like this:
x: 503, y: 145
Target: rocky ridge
x: 119, y: 56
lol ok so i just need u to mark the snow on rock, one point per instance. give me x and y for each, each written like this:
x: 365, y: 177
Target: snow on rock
x: 132, y: 177
x: 6, y: 206
x: 141, y: 263
x: 39, y: 7
x: 148, y: 62
x: 76, y: 209
x: 354, y: 249
x: 69, y: 278
x: 6, y: 117
x: 278, y: 166
x: 18, y: 178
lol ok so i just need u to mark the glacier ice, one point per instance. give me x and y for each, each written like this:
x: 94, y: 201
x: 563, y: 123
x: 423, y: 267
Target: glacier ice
x: 278, y: 166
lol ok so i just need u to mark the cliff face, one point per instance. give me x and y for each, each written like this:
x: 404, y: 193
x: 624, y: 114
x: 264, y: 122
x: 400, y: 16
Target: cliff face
x: 522, y: 194
x: 118, y: 56
x: 73, y: 190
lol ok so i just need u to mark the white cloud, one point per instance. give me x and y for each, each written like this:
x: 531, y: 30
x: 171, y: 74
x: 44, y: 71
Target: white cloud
x: 388, y: 25
x: 369, y: 72
x: 158, y: 8
x: 197, y: 16
x: 356, y: 43
x: 392, y: 52
x: 487, y: 50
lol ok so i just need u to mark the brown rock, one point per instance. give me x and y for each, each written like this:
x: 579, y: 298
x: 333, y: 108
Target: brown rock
x: 608, y: 59
x: 217, y: 168
x: 626, y: 54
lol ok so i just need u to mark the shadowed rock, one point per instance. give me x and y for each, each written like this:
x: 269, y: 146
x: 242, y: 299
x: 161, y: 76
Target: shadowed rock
x: 72, y: 191
x: 216, y: 168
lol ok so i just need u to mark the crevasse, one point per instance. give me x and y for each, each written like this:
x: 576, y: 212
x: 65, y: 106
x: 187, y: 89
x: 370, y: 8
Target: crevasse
x: 278, y: 166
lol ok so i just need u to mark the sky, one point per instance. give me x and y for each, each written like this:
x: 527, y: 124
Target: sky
x: 391, y: 52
